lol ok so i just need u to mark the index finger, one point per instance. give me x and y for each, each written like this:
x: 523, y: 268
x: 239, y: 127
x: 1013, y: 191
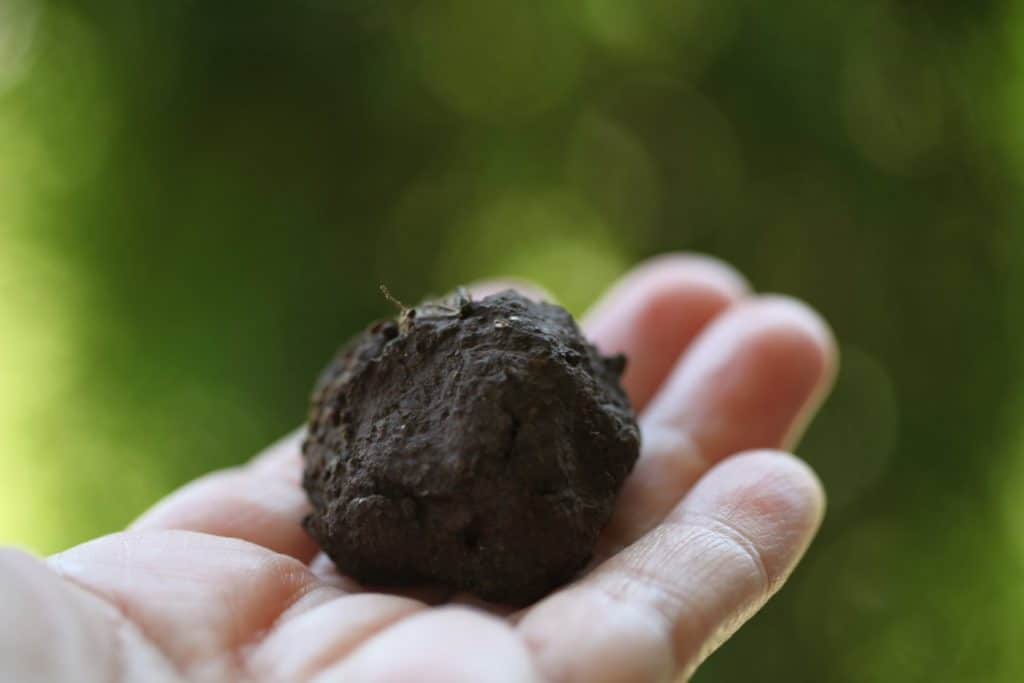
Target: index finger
x: 672, y: 597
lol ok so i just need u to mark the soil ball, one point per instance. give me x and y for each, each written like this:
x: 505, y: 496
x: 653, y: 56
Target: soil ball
x: 477, y: 444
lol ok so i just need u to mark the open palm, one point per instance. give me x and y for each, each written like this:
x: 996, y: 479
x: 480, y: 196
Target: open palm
x: 219, y: 582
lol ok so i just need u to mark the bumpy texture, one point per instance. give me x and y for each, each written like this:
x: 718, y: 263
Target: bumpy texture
x: 477, y: 444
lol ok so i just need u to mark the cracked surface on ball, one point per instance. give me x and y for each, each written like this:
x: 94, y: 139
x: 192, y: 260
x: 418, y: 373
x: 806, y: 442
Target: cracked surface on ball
x: 476, y: 444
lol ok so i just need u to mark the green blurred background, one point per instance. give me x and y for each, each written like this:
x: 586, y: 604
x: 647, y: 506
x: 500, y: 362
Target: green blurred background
x: 199, y: 199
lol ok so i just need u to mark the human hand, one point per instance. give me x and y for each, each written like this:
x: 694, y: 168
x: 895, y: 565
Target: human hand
x: 220, y: 583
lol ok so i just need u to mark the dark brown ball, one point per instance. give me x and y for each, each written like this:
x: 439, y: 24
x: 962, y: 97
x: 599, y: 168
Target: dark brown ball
x: 477, y: 444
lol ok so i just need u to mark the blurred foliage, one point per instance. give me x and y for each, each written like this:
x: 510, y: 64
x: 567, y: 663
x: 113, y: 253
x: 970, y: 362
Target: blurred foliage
x: 198, y: 200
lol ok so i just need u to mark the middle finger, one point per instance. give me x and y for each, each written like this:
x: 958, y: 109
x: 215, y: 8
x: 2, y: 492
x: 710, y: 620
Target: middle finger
x: 751, y: 380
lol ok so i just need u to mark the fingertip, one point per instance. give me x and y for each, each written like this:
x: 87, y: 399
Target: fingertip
x: 653, y: 314
x: 773, y: 493
x: 794, y: 485
x: 753, y: 379
x: 660, y: 290
x: 283, y: 457
x: 674, y: 298
x: 692, y: 267
x: 787, y: 345
x: 804, y: 325
x: 794, y: 336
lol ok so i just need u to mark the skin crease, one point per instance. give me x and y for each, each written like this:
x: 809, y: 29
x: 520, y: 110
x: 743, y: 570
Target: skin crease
x: 218, y: 582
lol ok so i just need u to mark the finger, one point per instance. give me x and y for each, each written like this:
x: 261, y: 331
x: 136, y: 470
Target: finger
x: 496, y: 608
x: 261, y: 502
x: 324, y: 569
x: 654, y: 313
x: 195, y: 596
x: 751, y: 380
x: 52, y: 631
x: 300, y: 648
x: 327, y: 572
x: 671, y: 598
x: 447, y: 645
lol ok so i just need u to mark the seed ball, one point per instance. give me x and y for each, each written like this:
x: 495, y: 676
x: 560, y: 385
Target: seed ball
x: 476, y: 444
